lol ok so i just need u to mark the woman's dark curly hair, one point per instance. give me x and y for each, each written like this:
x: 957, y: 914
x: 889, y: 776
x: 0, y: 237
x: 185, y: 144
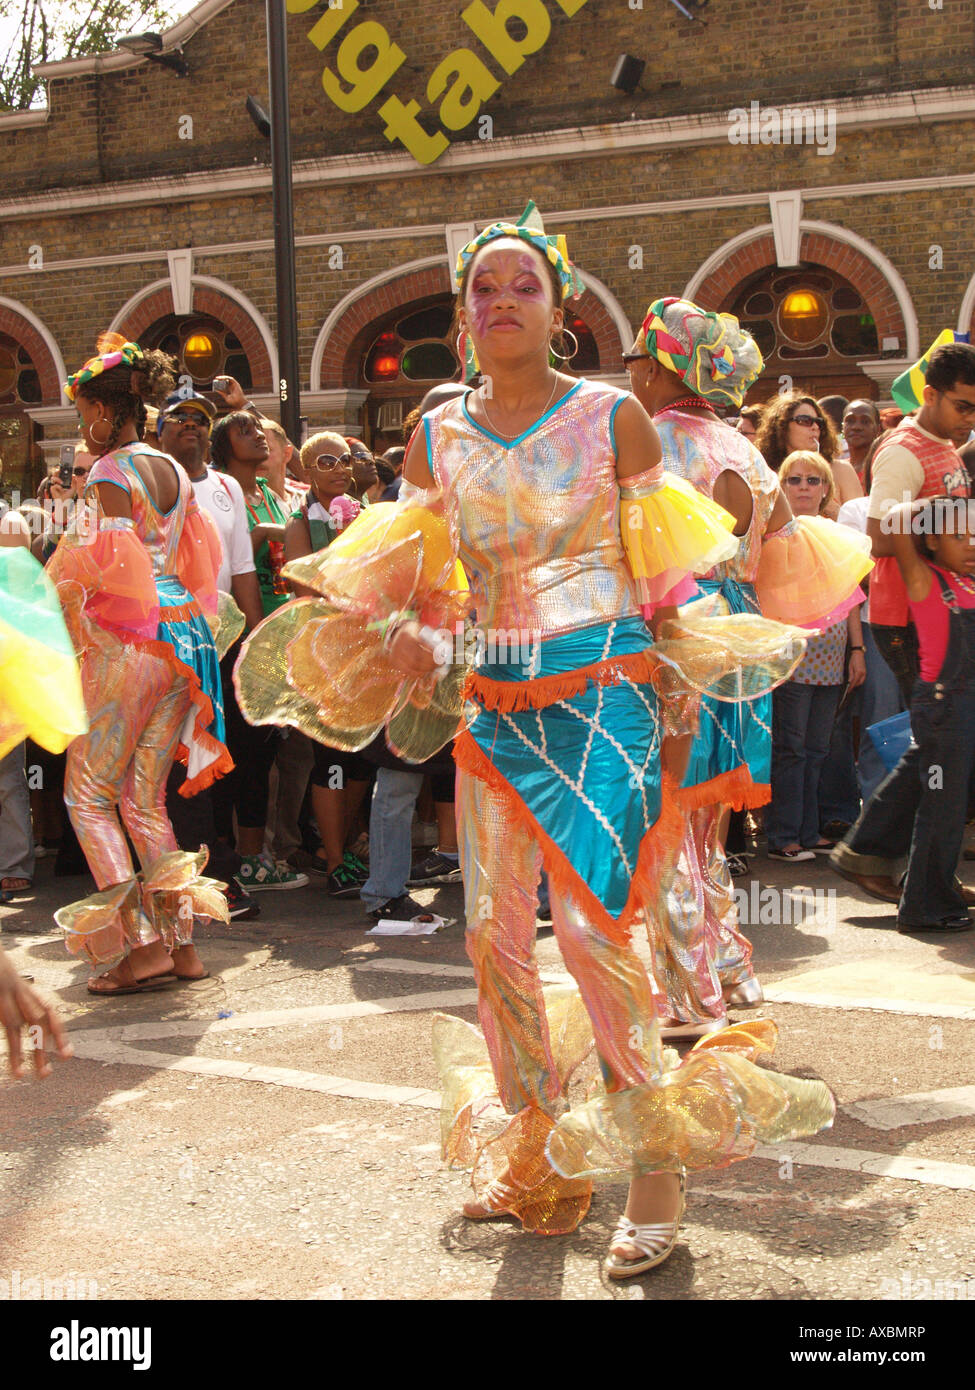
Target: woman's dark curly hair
x: 127, y: 389
x: 771, y: 439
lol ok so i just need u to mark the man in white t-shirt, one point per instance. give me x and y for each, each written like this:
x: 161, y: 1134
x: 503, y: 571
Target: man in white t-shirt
x: 183, y: 428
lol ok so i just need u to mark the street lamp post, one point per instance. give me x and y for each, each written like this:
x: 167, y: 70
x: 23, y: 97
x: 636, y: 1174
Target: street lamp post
x: 284, y: 229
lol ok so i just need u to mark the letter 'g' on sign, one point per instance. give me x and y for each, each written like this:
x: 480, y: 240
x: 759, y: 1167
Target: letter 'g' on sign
x: 364, y: 83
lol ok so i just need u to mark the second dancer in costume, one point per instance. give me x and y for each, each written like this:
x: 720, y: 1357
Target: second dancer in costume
x: 137, y: 579
x: 686, y: 362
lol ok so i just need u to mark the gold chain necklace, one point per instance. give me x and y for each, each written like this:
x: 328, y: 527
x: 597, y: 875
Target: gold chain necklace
x: 507, y: 437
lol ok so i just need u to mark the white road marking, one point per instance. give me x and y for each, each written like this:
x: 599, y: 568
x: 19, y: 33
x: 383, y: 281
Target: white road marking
x: 118, y: 1054
x: 395, y: 966
x: 782, y: 994
x: 920, y: 1108
x: 274, y: 1018
x: 923, y: 1170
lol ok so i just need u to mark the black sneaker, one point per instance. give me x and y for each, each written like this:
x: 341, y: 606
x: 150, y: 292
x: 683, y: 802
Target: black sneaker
x: 401, y: 909
x: 342, y: 883
x: 355, y: 865
x: 241, y: 904
x: 436, y: 868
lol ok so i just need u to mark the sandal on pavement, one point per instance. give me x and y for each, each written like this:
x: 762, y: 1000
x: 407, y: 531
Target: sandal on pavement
x: 494, y: 1201
x: 132, y: 985
x: 693, y: 1030
x: 656, y: 1241
x: 747, y: 995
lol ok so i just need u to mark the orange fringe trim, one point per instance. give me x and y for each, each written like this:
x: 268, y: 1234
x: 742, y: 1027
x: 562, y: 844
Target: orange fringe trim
x: 733, y: 788
x: 511, y: 696
x: 662, y: 839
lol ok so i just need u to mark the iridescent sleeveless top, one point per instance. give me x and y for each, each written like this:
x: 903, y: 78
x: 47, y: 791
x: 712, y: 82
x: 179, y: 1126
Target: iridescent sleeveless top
x: 700, y: 448
x: 538, y: 517
x: 159, y: 532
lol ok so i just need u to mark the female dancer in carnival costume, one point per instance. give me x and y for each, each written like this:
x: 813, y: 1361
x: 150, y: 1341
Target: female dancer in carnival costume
x: 685, y: 362
x: 136, y: 576
x: 40, y: 698
x: 564, y: 762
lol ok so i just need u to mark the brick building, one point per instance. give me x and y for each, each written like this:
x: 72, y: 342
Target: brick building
x: 807, y: 167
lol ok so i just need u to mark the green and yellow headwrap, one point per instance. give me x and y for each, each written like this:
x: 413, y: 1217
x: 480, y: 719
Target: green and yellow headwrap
x: 118, y: 351
x: 709, y: 351
x: 528, y: 228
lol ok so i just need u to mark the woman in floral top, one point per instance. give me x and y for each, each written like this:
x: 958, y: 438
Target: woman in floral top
x: 803, y: 709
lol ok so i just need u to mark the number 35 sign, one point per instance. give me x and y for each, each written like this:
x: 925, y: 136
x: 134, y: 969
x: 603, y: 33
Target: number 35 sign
x: 459, y: 85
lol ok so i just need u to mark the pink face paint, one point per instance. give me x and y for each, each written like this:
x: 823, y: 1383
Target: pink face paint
x: 526, y: 286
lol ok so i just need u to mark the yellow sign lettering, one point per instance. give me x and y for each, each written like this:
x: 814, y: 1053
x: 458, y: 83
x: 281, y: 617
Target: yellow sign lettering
x: 492, y: 29
x: 402, y: 125
x: 364, y: 83
x: 330, y: 24
x: 473, y: 85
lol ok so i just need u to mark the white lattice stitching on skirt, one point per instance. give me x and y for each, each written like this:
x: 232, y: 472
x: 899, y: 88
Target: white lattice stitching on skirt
x: 563, y: 777
x: 636, y: 774
x: 719, y: 726
x: 761, y: 722
x: 593, y: 724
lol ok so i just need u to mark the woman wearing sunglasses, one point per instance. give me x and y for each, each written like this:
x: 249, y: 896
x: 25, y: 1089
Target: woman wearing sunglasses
x: 804, y: 708
x: 793, y: 421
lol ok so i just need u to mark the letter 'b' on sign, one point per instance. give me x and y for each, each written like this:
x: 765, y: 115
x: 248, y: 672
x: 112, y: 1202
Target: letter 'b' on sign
x: 492, y: 29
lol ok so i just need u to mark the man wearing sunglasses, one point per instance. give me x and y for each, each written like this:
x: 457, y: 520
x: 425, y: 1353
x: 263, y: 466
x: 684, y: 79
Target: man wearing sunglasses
x: 919, y: 459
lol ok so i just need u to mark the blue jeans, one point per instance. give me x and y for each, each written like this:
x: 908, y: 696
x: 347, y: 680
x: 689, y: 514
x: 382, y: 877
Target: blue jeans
x: 802, y: 721
x: 390, y: 835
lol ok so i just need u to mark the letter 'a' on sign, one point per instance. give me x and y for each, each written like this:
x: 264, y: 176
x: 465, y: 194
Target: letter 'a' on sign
x: 474, y: 85
x: 364, y: 83
x: 492, y: 30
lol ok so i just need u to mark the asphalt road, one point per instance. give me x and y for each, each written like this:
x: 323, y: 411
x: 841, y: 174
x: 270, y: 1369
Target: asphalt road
x: 272, y: 1132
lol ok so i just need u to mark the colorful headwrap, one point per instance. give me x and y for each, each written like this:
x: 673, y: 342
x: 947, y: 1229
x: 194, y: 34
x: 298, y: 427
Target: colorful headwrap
x: 112, y: 349
x: 709, y: 351
x: 528, y: 228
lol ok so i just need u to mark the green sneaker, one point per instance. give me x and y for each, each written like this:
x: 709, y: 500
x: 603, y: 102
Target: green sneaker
x: 355, y: 866
x: 256, y: 873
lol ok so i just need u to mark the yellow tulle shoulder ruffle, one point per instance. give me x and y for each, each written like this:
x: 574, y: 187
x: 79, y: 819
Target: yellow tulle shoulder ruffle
x: 669, y: 531
x: 810, y: 570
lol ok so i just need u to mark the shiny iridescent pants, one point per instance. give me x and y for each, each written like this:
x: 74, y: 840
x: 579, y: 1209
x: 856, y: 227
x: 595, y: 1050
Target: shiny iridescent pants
x: 136, y: 709
x: 695, y: 937
x: 501, y: 867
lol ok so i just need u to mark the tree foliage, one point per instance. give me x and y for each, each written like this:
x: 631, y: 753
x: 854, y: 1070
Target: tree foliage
x: 43, y: 31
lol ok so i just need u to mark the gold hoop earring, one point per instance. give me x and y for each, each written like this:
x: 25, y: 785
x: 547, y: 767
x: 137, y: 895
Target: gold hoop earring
x: 461, y: 355
x: 94, y: 437
x: 566, y: 357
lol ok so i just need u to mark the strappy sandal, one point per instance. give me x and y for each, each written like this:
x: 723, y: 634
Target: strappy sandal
x: 130, y: 986
x: 656, y: 1241
x: 494, y: 1201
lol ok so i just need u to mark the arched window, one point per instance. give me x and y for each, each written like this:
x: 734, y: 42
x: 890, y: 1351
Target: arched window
x: 203, y: 347
x: 21, y: 468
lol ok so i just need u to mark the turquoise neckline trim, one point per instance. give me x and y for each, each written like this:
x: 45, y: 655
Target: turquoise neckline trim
x: 513, y: 443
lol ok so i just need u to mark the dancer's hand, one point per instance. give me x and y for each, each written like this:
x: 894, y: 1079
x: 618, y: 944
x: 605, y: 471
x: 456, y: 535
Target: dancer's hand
x: 21, y: 1008
x: 409, y: 653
